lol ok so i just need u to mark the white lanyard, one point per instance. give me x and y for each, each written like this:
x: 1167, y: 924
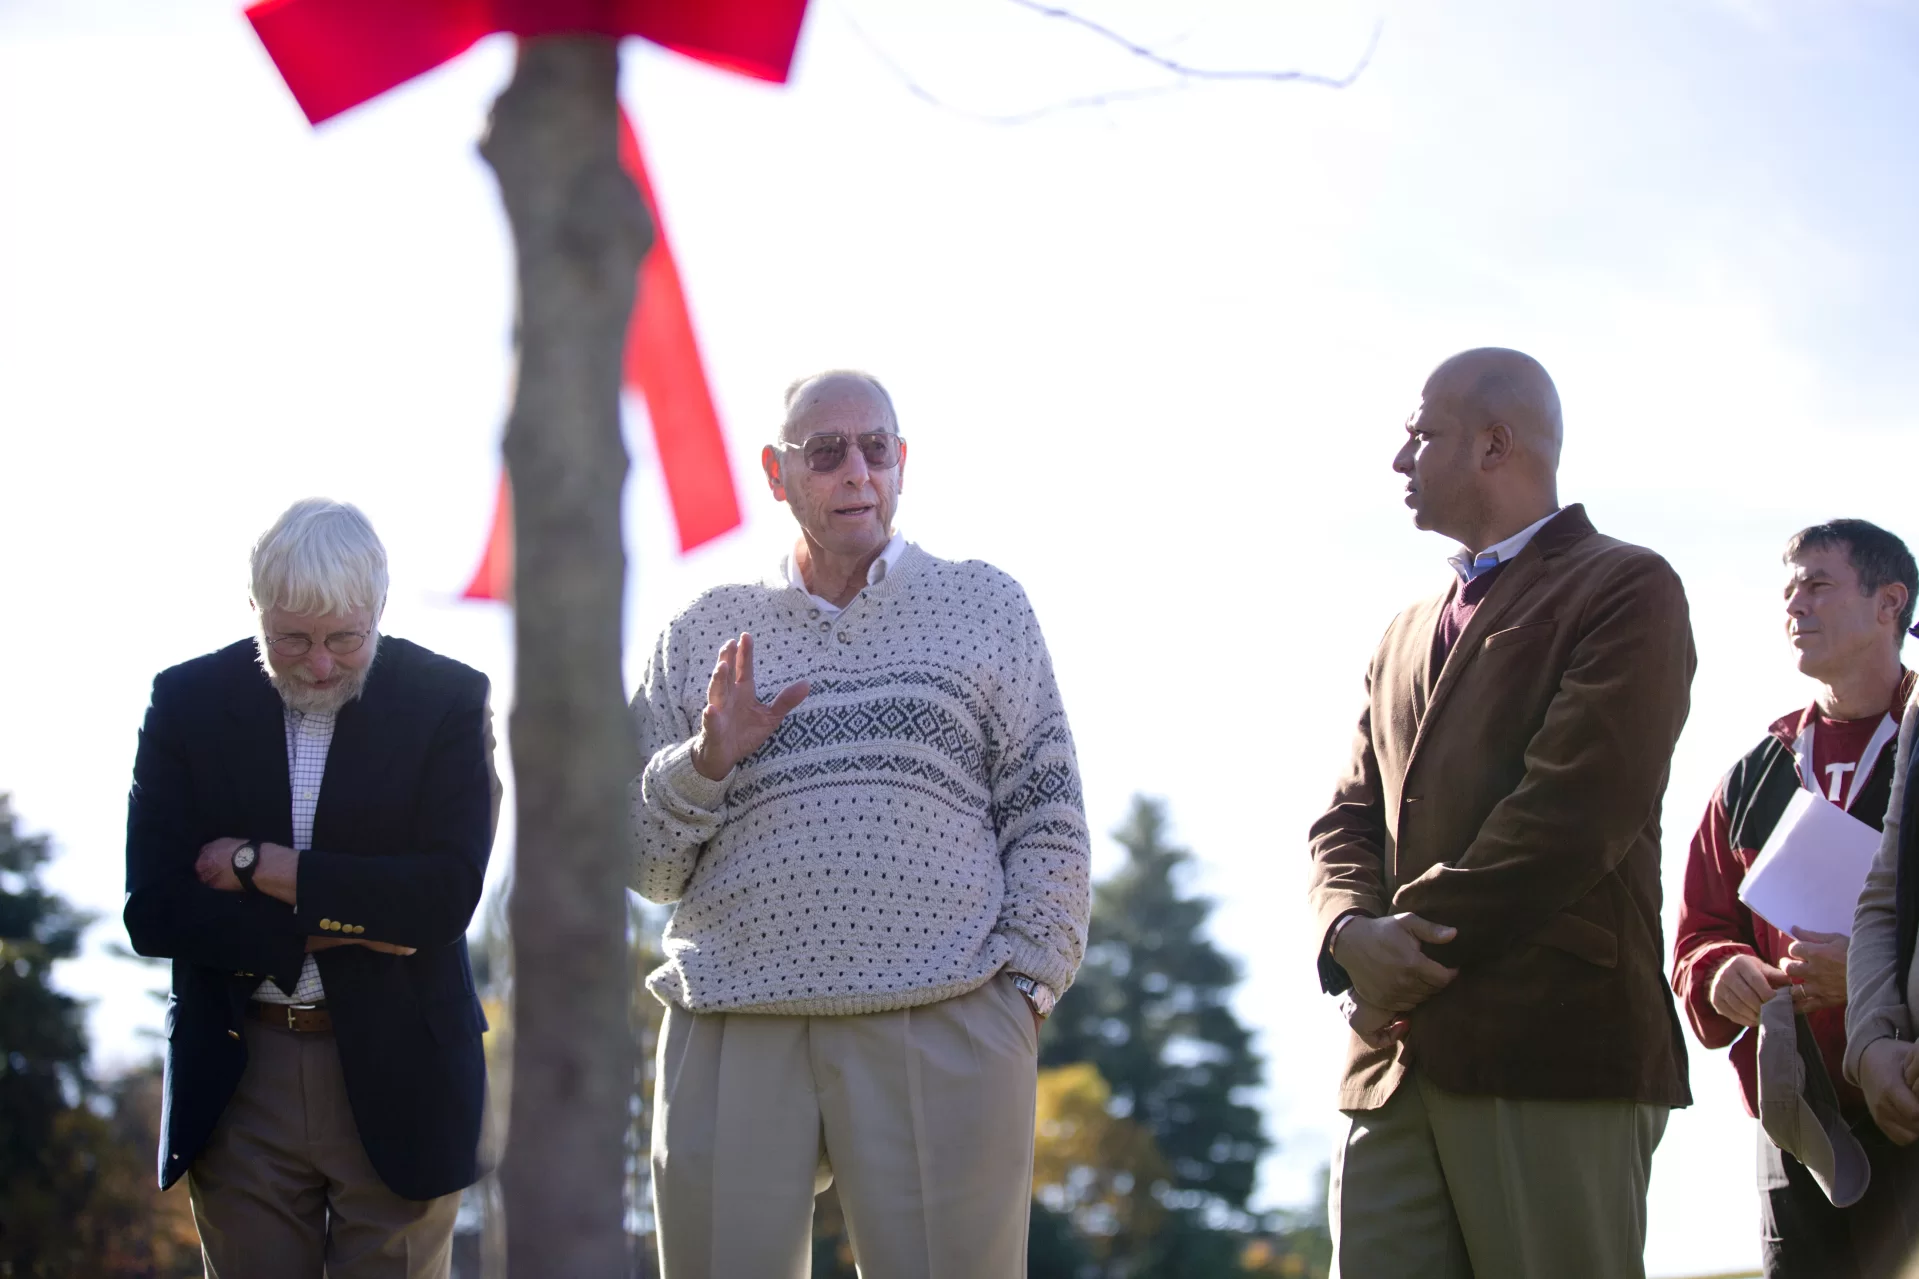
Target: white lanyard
x: 1802, y: 752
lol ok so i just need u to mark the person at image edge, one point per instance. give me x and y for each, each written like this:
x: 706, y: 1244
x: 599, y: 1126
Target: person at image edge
x: 1849, y: 595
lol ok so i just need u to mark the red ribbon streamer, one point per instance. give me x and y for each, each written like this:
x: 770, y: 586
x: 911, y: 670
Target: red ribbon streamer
x: 663, y: 364
x: 493, y: 580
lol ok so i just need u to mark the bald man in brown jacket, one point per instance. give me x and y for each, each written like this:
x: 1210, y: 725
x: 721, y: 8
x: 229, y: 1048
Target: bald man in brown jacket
x: 1486, y: 879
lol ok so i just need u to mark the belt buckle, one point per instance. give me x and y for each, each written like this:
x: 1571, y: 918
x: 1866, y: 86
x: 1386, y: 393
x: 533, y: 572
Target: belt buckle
x: 292, y: 1021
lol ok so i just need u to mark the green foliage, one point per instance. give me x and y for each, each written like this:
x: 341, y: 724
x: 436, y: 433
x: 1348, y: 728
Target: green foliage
x: 1054, y: 1250
x: 43, y: 1030
x: 832, y: 1251
x: 1150, y: 1012
x: 1149, y: 1008
x: 78, y: 1196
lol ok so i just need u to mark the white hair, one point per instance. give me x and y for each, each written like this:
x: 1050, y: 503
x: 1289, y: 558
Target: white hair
x: 320, y: 557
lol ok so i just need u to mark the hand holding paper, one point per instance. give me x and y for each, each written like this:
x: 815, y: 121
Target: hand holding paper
x: 1810, y: 873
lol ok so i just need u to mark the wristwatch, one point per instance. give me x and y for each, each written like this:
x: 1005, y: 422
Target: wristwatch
x: 1037, y: 993
x: 245, y: 859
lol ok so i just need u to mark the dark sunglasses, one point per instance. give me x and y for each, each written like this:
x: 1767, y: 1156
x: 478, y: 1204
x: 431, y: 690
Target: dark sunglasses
x: 827, y: 453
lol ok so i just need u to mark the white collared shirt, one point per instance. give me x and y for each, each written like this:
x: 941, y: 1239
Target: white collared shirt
x: 875, y: 574
x: 1469, y: 565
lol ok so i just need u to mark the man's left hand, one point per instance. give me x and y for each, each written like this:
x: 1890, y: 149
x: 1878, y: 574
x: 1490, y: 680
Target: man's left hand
x: 215, y: 865
x: 1816, y: 962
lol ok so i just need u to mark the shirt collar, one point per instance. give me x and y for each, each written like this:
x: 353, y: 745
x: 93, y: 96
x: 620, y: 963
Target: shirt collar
x: 1469, y: 565
x: 875, y: 573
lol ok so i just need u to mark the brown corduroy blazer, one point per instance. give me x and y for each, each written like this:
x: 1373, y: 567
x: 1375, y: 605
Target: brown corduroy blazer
x: 1515, y: 795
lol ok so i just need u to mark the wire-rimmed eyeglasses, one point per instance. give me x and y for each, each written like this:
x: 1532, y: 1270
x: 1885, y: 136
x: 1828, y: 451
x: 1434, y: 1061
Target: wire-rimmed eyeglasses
x: 340, y: 644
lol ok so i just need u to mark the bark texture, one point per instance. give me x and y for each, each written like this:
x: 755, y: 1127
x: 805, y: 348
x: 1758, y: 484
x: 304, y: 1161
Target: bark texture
x: 579, y: 230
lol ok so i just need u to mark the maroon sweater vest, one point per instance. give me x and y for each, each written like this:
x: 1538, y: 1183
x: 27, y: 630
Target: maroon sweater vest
x: 1460, y: 607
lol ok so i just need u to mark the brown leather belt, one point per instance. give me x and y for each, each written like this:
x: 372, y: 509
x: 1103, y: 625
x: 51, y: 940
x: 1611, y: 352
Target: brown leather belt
x: 305, y: 1019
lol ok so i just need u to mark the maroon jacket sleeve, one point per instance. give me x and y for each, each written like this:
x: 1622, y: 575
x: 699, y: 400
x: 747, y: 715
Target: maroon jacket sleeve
x: 1714, y: 925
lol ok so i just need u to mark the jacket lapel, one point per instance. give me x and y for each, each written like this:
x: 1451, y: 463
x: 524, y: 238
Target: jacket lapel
x: 357, y: 755
x: 1507, y: 590
x: 255, y: 756
x: 1419, y: 664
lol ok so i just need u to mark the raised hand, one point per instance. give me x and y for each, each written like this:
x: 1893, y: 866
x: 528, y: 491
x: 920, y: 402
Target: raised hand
x: 736, y: 722
x: 1388, y: 969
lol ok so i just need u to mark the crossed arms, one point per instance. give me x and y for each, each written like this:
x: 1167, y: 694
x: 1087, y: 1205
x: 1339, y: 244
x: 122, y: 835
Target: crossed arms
x: 183, y: 901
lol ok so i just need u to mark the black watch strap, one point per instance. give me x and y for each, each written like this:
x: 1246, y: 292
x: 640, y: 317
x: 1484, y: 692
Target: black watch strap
x: 244, y: 873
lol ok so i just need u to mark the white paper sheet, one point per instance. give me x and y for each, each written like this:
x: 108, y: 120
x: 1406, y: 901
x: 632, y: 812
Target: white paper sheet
x: 1810, y: 873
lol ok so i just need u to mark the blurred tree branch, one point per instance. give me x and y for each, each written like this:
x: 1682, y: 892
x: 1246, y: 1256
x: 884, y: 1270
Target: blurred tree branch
x: 1185, y: 76
x: 1203, y: 73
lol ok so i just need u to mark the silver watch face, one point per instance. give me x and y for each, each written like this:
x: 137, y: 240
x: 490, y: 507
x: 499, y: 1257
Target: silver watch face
x: 244, y: 858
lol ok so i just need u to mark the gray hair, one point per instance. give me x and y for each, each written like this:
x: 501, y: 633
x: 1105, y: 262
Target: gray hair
x: 859, y: 375
x: 320, y: 557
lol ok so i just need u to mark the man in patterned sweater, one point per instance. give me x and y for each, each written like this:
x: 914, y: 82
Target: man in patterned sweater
x: 881, y: 878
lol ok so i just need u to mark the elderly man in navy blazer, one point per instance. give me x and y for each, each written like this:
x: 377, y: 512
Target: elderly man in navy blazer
x: 307, y: 834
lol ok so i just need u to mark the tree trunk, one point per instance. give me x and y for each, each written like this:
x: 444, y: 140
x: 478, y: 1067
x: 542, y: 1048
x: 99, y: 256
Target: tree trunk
x: 579, y: 231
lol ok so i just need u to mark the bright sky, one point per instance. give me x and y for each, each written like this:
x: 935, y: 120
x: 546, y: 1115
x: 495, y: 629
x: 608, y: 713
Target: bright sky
x: 1153, y: 359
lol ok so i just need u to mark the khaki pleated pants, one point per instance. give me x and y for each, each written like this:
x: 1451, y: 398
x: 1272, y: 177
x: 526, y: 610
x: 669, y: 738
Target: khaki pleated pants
x: 284, y: 1189
x: 1447, y: 1186
x: 923, y: 1117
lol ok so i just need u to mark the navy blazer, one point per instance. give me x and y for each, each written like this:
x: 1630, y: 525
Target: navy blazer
x: 401, y: 834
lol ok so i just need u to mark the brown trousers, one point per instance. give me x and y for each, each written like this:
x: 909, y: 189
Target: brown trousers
x: 284, y: 1189
x: 924, y: 1116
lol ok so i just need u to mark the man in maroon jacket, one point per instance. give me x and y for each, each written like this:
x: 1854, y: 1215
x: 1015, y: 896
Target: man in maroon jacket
x: 1849, y: 598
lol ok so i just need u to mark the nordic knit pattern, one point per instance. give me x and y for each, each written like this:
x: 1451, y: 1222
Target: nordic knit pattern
x: 913, y: 827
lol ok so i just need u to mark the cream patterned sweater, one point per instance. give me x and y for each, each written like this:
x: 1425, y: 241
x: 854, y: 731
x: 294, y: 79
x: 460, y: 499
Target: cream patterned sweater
x: 913, y: 827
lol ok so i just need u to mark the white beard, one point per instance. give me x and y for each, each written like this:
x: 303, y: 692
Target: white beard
x: 308, y: 700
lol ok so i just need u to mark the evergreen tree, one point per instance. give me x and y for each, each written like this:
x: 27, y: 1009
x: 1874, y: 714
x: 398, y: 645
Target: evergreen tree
x: 78, y: 1196
x: 1149, y: 1010
x: 43, y: 1053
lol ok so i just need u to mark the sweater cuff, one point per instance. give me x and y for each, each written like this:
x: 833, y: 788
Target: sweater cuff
x: 1041, y: 963
x: 672, y: 771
